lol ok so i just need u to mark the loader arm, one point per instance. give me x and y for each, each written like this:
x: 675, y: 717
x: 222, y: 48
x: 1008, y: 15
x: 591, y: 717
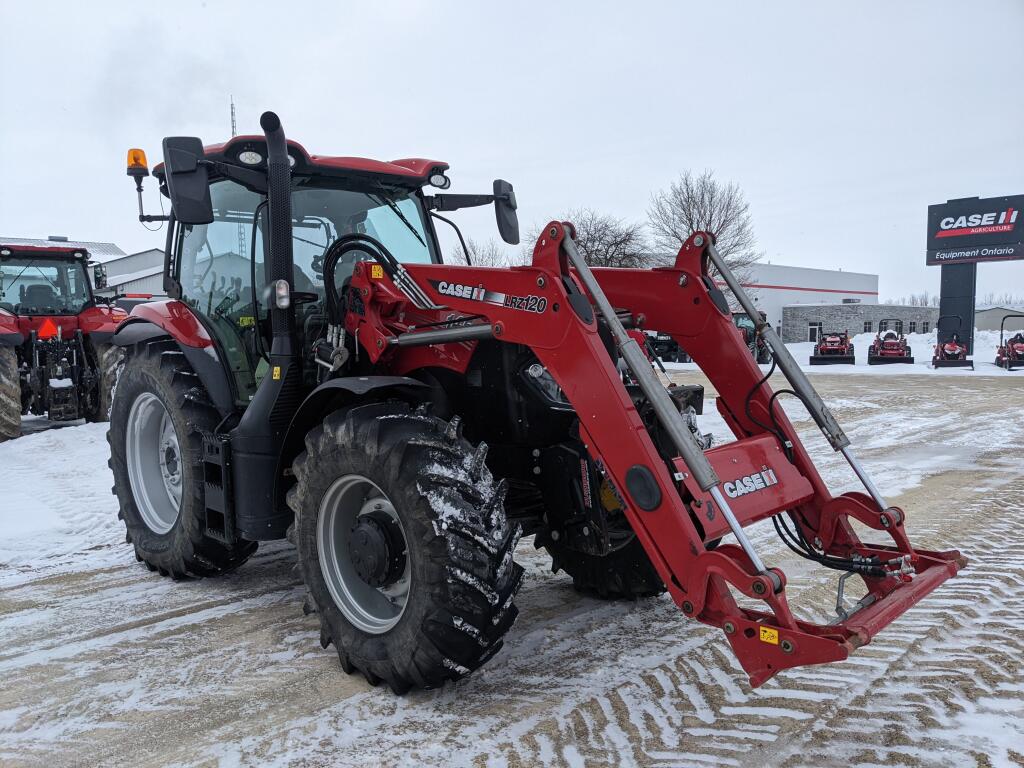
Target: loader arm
x: 676, y: 508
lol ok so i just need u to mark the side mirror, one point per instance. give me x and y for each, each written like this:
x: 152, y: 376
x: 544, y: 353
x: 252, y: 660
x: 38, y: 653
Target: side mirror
x: 505, y: 211
x: 188, y: 180
x: 99, y: 276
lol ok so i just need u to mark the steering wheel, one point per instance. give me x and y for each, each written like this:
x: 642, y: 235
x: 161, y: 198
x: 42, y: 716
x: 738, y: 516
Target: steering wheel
x: 304, y: 297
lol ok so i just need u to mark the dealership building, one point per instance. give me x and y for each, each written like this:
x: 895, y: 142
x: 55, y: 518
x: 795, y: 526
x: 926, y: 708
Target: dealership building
x: 775, y: 287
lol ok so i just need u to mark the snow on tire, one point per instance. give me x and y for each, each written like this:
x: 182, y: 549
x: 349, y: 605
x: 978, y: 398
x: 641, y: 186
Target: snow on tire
x: 10, y: 394
x: 460, y: 579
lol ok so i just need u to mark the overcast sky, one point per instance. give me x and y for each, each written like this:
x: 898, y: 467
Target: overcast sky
x: 841, y: 122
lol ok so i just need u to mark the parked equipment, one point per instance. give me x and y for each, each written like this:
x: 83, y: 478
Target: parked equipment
x: 951, y: 353
x: 1010, y: 353
x: 404, y: 420
x: 758, y: 349
x: 833, y: 348
x: 890, y: 345
x: 665, y: 348
x: 55, y: 353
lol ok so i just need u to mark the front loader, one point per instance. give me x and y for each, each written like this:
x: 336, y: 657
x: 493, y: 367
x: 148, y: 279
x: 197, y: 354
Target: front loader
x: 320, y: 373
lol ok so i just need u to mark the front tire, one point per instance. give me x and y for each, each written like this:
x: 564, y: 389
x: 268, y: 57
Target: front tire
x: 10, y: 395
x: 433, y: 601
x: 157, y: 418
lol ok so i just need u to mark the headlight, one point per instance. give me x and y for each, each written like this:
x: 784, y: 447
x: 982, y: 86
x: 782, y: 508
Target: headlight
x: 542, y: 383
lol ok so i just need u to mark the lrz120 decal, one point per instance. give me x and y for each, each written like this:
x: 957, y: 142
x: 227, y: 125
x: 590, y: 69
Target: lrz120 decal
x: 526, y: 303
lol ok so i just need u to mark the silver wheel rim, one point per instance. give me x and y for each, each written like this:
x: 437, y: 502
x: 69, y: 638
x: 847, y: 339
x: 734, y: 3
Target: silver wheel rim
x: 371, y: 609
x: 154, y: 463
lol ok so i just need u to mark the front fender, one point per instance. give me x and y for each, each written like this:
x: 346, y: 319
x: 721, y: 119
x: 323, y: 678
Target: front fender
x: 176, y: 319
x: 204, y: 360
x: 334, y: 394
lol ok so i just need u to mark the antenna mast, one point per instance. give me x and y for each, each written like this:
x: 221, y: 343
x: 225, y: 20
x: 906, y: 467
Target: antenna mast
x: 242, y: 250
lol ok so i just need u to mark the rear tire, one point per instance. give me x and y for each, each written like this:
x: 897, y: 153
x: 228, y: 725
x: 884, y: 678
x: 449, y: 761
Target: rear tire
x: 10, y: 395
x: 158, y: 414
x: 457, y: 600
x: 624, y: 573
x: 108, y: 362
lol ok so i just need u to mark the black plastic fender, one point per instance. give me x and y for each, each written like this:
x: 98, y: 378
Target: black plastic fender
x: 204, y: 361
x: 334, y: 394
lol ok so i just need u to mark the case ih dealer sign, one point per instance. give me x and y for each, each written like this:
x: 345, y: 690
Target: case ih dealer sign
x: 972, y: 230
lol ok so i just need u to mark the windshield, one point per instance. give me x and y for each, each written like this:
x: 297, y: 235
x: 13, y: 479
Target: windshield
x: 43, y: 286
x: 322, y: 212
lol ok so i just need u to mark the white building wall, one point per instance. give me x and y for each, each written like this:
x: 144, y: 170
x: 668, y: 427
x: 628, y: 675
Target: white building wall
x: 773, y: 286
x: 154, y: 285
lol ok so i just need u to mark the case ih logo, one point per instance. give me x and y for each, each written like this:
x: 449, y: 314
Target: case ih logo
x: 751, y: 483
x: 978, y: 224
x: 461, y: 291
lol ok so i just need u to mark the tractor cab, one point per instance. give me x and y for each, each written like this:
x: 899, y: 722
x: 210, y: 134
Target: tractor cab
x: 41, y: 281
x: 218, y: 243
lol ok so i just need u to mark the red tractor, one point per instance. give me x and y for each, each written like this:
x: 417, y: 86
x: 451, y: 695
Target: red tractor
x: 890, y: 345
x: 1010, y: 353
x: 950, y: 350
x: 320, y: 373
x: 56, y: 358
x: 833, y: 348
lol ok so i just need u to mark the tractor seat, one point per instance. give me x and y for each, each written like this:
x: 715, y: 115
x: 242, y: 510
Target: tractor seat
x: 39, y: 296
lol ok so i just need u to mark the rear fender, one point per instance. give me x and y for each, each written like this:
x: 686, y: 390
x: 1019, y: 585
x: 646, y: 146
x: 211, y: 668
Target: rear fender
x: 204, y: 360
x: 337, y: 393
x: 10, y: 333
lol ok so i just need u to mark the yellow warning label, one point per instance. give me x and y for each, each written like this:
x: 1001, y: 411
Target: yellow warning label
x: 246, y: 321
x: 277, y: 375
x: 376, y: 271
x: 769, y: 635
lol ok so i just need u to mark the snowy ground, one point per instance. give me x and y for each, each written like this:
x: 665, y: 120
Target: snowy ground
x: 105, y: 663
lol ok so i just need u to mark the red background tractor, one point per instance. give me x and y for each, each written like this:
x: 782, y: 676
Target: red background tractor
x: 953, y: 352
x: 56, y: 358
x: 833, y: 348
x: 1010, y: 353
x: 890, y: 345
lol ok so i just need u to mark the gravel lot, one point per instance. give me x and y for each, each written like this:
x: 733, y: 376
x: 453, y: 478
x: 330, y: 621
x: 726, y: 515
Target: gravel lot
x: 105, y: 663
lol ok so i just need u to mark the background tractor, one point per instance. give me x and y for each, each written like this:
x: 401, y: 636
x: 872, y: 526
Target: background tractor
x: 758, y: 349
x: 833, y: 348
x: 56, y: 358
x: 952, y: 352
x: 890, y: 345
x: 320, y: 373
x: 1010, y: 353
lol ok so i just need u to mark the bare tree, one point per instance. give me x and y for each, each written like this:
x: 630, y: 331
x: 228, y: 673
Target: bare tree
x: 603, y: 240
x: 702, y: 203
x: 488, y: 254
